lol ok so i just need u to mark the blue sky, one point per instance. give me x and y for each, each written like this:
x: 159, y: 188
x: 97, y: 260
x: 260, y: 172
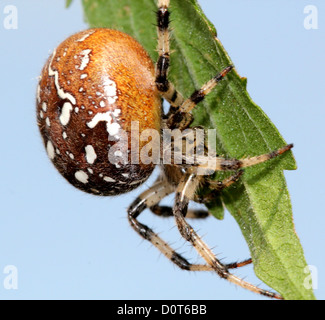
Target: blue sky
x: 69, y: 245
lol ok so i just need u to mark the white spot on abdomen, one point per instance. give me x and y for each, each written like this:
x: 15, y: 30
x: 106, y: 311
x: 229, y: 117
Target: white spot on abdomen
x: 110, y: 90
x: 59, y: 90
x: 85, y: 58
x: 112, y: 127
x: 81, y: 176
x: 65, y: 114
x: 116, y: 112
x: 50, y: 150
x: 99, y: 117
x: 91, y: 155
x: 109, y: 179
x: 39, y: 93
x: 84, y: 37
x: 44, y: 106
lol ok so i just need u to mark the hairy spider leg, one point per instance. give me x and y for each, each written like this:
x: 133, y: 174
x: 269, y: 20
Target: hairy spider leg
x: 214, y: 186
x: 177, y: 104
x: 166, y: 88
x: 165, y: 212
x: 223, y: 164
x: 180, y: 117
x: 149, y: 199
x: 184, y: 193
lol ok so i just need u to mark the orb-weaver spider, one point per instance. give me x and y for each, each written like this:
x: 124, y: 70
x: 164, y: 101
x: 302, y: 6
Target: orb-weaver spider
x: 96, y: 84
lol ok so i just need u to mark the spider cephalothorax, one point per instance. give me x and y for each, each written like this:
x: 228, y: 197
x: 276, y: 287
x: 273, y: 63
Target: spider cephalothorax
x: 99, y: 101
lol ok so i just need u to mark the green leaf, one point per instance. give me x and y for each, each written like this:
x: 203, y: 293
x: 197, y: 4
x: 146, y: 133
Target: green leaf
x: 68, y: 3
x: 260, y: 201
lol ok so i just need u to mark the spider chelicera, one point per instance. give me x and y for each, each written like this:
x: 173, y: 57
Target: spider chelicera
x: 95, y: 86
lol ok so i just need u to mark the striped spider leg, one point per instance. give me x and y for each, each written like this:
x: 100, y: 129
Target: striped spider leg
x: 184, y: 180
x: 184, y: 193
x: 150, y: 199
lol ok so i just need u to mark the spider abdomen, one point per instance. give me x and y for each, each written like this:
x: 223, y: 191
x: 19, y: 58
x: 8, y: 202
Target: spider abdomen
x: 92, y: 88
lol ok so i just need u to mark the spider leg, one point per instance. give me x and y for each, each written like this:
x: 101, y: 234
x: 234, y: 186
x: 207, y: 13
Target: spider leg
x: 148, y: 199
x: 222, y: 164
x: 178, y: 106
x: 236, y: 265
x: 198, y: 95
x: 215, y: 186
x: 165, y: 211
x: 219, y: 185
x: 184, y: 193
x: 178, y: 119
x: 165, y: 87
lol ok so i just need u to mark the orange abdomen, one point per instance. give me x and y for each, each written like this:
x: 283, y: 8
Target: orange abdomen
x: 94, y: 85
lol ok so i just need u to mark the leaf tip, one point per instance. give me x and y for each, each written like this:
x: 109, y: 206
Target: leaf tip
x: 68, y: 3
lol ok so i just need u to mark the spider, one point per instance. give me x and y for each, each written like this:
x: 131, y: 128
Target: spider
x: 92, y: 90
